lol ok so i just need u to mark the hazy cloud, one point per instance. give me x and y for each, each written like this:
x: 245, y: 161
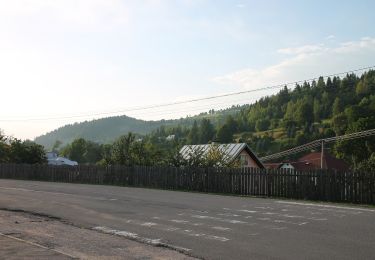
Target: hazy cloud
x: 305, y: 62
x: 302, y: 49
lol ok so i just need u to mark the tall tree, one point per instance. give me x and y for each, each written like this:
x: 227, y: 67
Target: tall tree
x: 76, y: 150
x: 226, y: 131
x: 206, y: 131
x: 193, y: 134
x: 304, y: 112
x: 26, y: 152
x: 336, y: 108
x: 4, y: 148
x: 362, y: 88
x: 225, y: 134
x: 121, y: 150
x: 321, y: 84
x: 317, y: 110
x: 326, y: 104
x: 340, y: 123
x: 93, y: 153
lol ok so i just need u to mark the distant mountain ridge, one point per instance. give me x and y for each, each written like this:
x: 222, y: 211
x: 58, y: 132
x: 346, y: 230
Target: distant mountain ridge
x: 106, y: 130
x: 102, y: 130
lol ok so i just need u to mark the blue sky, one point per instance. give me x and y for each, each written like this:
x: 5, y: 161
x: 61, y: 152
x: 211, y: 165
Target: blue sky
x: 73, y: 57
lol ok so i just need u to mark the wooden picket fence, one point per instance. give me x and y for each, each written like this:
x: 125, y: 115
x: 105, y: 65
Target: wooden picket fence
x: 322, y: 185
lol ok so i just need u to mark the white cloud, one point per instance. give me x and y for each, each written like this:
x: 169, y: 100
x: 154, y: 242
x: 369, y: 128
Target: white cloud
x: 366, y: 43
x: 306, y: 62
x: 302, y: 49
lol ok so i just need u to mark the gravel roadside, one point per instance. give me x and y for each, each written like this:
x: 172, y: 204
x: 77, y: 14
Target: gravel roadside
x: 29, y: 236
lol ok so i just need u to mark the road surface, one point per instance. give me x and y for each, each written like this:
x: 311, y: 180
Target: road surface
x: 29, y: 236
x: 203, y: 225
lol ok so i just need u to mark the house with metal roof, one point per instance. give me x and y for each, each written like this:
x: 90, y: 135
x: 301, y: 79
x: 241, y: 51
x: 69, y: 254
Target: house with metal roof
x: 236, y: 151
x: 312, y: 161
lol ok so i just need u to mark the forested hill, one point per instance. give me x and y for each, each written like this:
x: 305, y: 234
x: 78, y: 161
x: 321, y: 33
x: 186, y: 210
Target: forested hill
x: 106, y: 130
x: 313, y: 110
x: 310, y: 111
x: 101, y: 130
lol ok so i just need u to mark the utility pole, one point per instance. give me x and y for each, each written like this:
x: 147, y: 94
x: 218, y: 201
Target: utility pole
x: 322, y: 156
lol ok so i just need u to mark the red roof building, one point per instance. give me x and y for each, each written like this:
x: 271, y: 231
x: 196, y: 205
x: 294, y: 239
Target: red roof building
x: 312, y: 161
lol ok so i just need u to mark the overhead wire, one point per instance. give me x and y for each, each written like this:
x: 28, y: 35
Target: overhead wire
x: 318, y: 143
x: 188, y: 101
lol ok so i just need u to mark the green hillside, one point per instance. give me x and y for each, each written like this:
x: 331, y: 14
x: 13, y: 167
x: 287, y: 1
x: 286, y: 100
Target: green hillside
x: 106, y: 130
x: 310, y: 111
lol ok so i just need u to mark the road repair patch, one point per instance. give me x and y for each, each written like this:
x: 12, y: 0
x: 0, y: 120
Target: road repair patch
x: 39, y: 237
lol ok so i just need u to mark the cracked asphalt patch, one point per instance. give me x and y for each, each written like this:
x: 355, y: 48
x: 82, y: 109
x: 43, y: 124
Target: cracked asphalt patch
x: 30, y: 236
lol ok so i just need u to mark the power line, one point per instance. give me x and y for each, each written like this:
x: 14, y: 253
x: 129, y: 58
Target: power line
x: 185, y: 101
x: 318, y: 143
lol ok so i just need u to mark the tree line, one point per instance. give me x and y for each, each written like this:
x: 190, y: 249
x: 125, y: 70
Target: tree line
x: 312, y: 110
x: 129, y: 150
x: 13, y: 150
x: 309, y: 111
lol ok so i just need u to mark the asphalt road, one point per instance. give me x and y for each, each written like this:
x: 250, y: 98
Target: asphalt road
x: 205, y: 226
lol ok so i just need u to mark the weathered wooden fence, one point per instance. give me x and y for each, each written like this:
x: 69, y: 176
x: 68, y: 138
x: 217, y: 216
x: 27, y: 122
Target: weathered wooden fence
x: 323, y: 185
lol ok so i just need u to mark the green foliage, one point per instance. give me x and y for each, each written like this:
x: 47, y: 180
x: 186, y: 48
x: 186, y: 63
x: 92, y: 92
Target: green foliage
x: 13, y: 150
x: 362, y: 89
x: 193, y: 134
x: 304, y: 112
x: 361, y: 149
x: 317, y: 110
x: 290, y: 127
x: 367, y: 165
x: 310, y: 111
x: 339, y: 123
x: 262, y: 124
x: 226, y: 131
x: 206, y: 131
x: 107, y: 130
x: 225, y: 134
x: 129, y: 151
x: 174, y: 158
x: 83, y: 151
x: 56, y: 146
x: 121, y: 152
x: 301, y: 139
x: 4, y: 148
x: 76, y: 151
x: 366, y: 85
x: 104, y: 130
x: 336, y: 108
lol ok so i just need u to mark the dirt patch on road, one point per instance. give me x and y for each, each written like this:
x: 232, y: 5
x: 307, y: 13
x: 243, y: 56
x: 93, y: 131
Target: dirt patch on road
x: 30, y: 236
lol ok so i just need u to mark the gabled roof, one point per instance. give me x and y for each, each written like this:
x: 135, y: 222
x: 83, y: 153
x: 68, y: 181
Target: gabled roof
x: 312, y: 161
x: 232, y: 151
